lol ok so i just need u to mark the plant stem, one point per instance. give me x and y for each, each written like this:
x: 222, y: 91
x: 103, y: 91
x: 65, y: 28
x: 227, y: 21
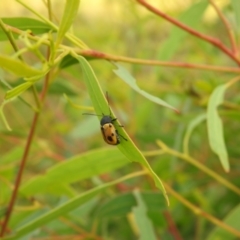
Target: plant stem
x: 19, y: 175
x: 214, y: 41
x: 25, y: 156
x: 101, y: 55
x: 227, y: 26
x: 200, y: 166
x: 199, y: 212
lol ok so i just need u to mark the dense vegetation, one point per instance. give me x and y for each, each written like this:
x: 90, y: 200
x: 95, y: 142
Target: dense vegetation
x: 171, y: 74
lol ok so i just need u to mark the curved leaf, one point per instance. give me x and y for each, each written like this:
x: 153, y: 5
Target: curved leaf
x: 131, y: 81
x: 35, y: 26
x: 18, y: 90
x: 100, y: 104
x: 17, y: 67
x: 65, y: 208
x: 79, y: 167
x: 215, y: 126
x: 70, y: 12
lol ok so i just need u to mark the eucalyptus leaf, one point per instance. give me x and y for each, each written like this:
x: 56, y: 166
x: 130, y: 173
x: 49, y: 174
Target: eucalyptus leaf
x: 100, y: 104
x: 131, y: 81
x: 18, y: 67
x: 22, y: 23
x: 215, y: 126
x: 64, y: 208
x: 18, y: 90
x: 70, y: 12
x: 145, y: 226
x: 77, y: 168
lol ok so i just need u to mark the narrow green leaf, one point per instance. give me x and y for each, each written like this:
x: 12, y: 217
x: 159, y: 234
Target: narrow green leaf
x: 131, y: 81
x: 36, y: 26
x: 236, y: 11
x: 100, y: 104
x: 233, y: 220
x: 193, y: 124
x: 17, y: 67
x: 145, y: 226
x: 67, y: 61
x: 83, y: 166
x: 122, y: 204
x: 215, y: 126
x: 70, y: 12
x: 191, y: 17
x: 18, y: 90
x: 2, y: 116
x: 65, y: 208
x: 12, y: 155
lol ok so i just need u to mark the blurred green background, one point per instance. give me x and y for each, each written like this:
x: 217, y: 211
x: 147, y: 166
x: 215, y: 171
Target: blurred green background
x: 124, y: 28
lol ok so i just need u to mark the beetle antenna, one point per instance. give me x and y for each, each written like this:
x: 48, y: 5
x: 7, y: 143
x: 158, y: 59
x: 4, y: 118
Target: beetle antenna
x: 92, y: 114
x: 108, y: 103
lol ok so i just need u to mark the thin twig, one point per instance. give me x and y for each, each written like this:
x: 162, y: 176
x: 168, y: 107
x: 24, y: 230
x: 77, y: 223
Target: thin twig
x: 214, y: 41
x: 101, y: 55
x: 196, y: 210
x: 19, y: 175
x: 227, y: 26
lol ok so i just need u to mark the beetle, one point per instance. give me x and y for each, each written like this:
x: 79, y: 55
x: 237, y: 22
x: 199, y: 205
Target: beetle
x: 109, y: 132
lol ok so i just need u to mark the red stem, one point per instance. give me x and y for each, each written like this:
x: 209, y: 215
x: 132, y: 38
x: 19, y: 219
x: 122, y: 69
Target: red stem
x: 19, y: 175
x: 172, y: 226
x: 23, y: 161
x: 214, y: 41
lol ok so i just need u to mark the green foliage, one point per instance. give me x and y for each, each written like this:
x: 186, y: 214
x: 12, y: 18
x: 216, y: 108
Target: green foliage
x: 169, y: 73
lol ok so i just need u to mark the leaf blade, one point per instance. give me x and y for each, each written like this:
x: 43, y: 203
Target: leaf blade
x: 70, y: 12
x: 17, y: 67
x: 100, y: 104
x: 215, y: 126
x: 122, y: 73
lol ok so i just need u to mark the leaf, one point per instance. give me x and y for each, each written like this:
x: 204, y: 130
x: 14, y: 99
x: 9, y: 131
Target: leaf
x: 64, y: 208
x: 192, y: 17
x: 193, y: 124
x: 128, y: 78
x: 36, y: 26
x: 145, y: 226
x: 215, y: 126
x: 233, y: 220
x: 67, y: 61
x: 2, y: 116
x: 82, y: 166
x: 11, y: 156
x: 236, y: 10
x: 122, y: 204
x: 70, y: 12
x: 17, y: 90
x: 17, y: 67
x: 101, y: 106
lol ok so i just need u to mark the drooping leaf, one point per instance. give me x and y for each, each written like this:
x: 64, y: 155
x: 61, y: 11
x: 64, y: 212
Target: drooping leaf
x: 63, y: 209
x: 215, y: 126
x: 193, y: 124
x: 77, y: 168
x: 232, y: 219
x: 100, y: 104
x: 122, y: 204
x: 131, y: 81
x: 145, y: 226
x: 18, y: 67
